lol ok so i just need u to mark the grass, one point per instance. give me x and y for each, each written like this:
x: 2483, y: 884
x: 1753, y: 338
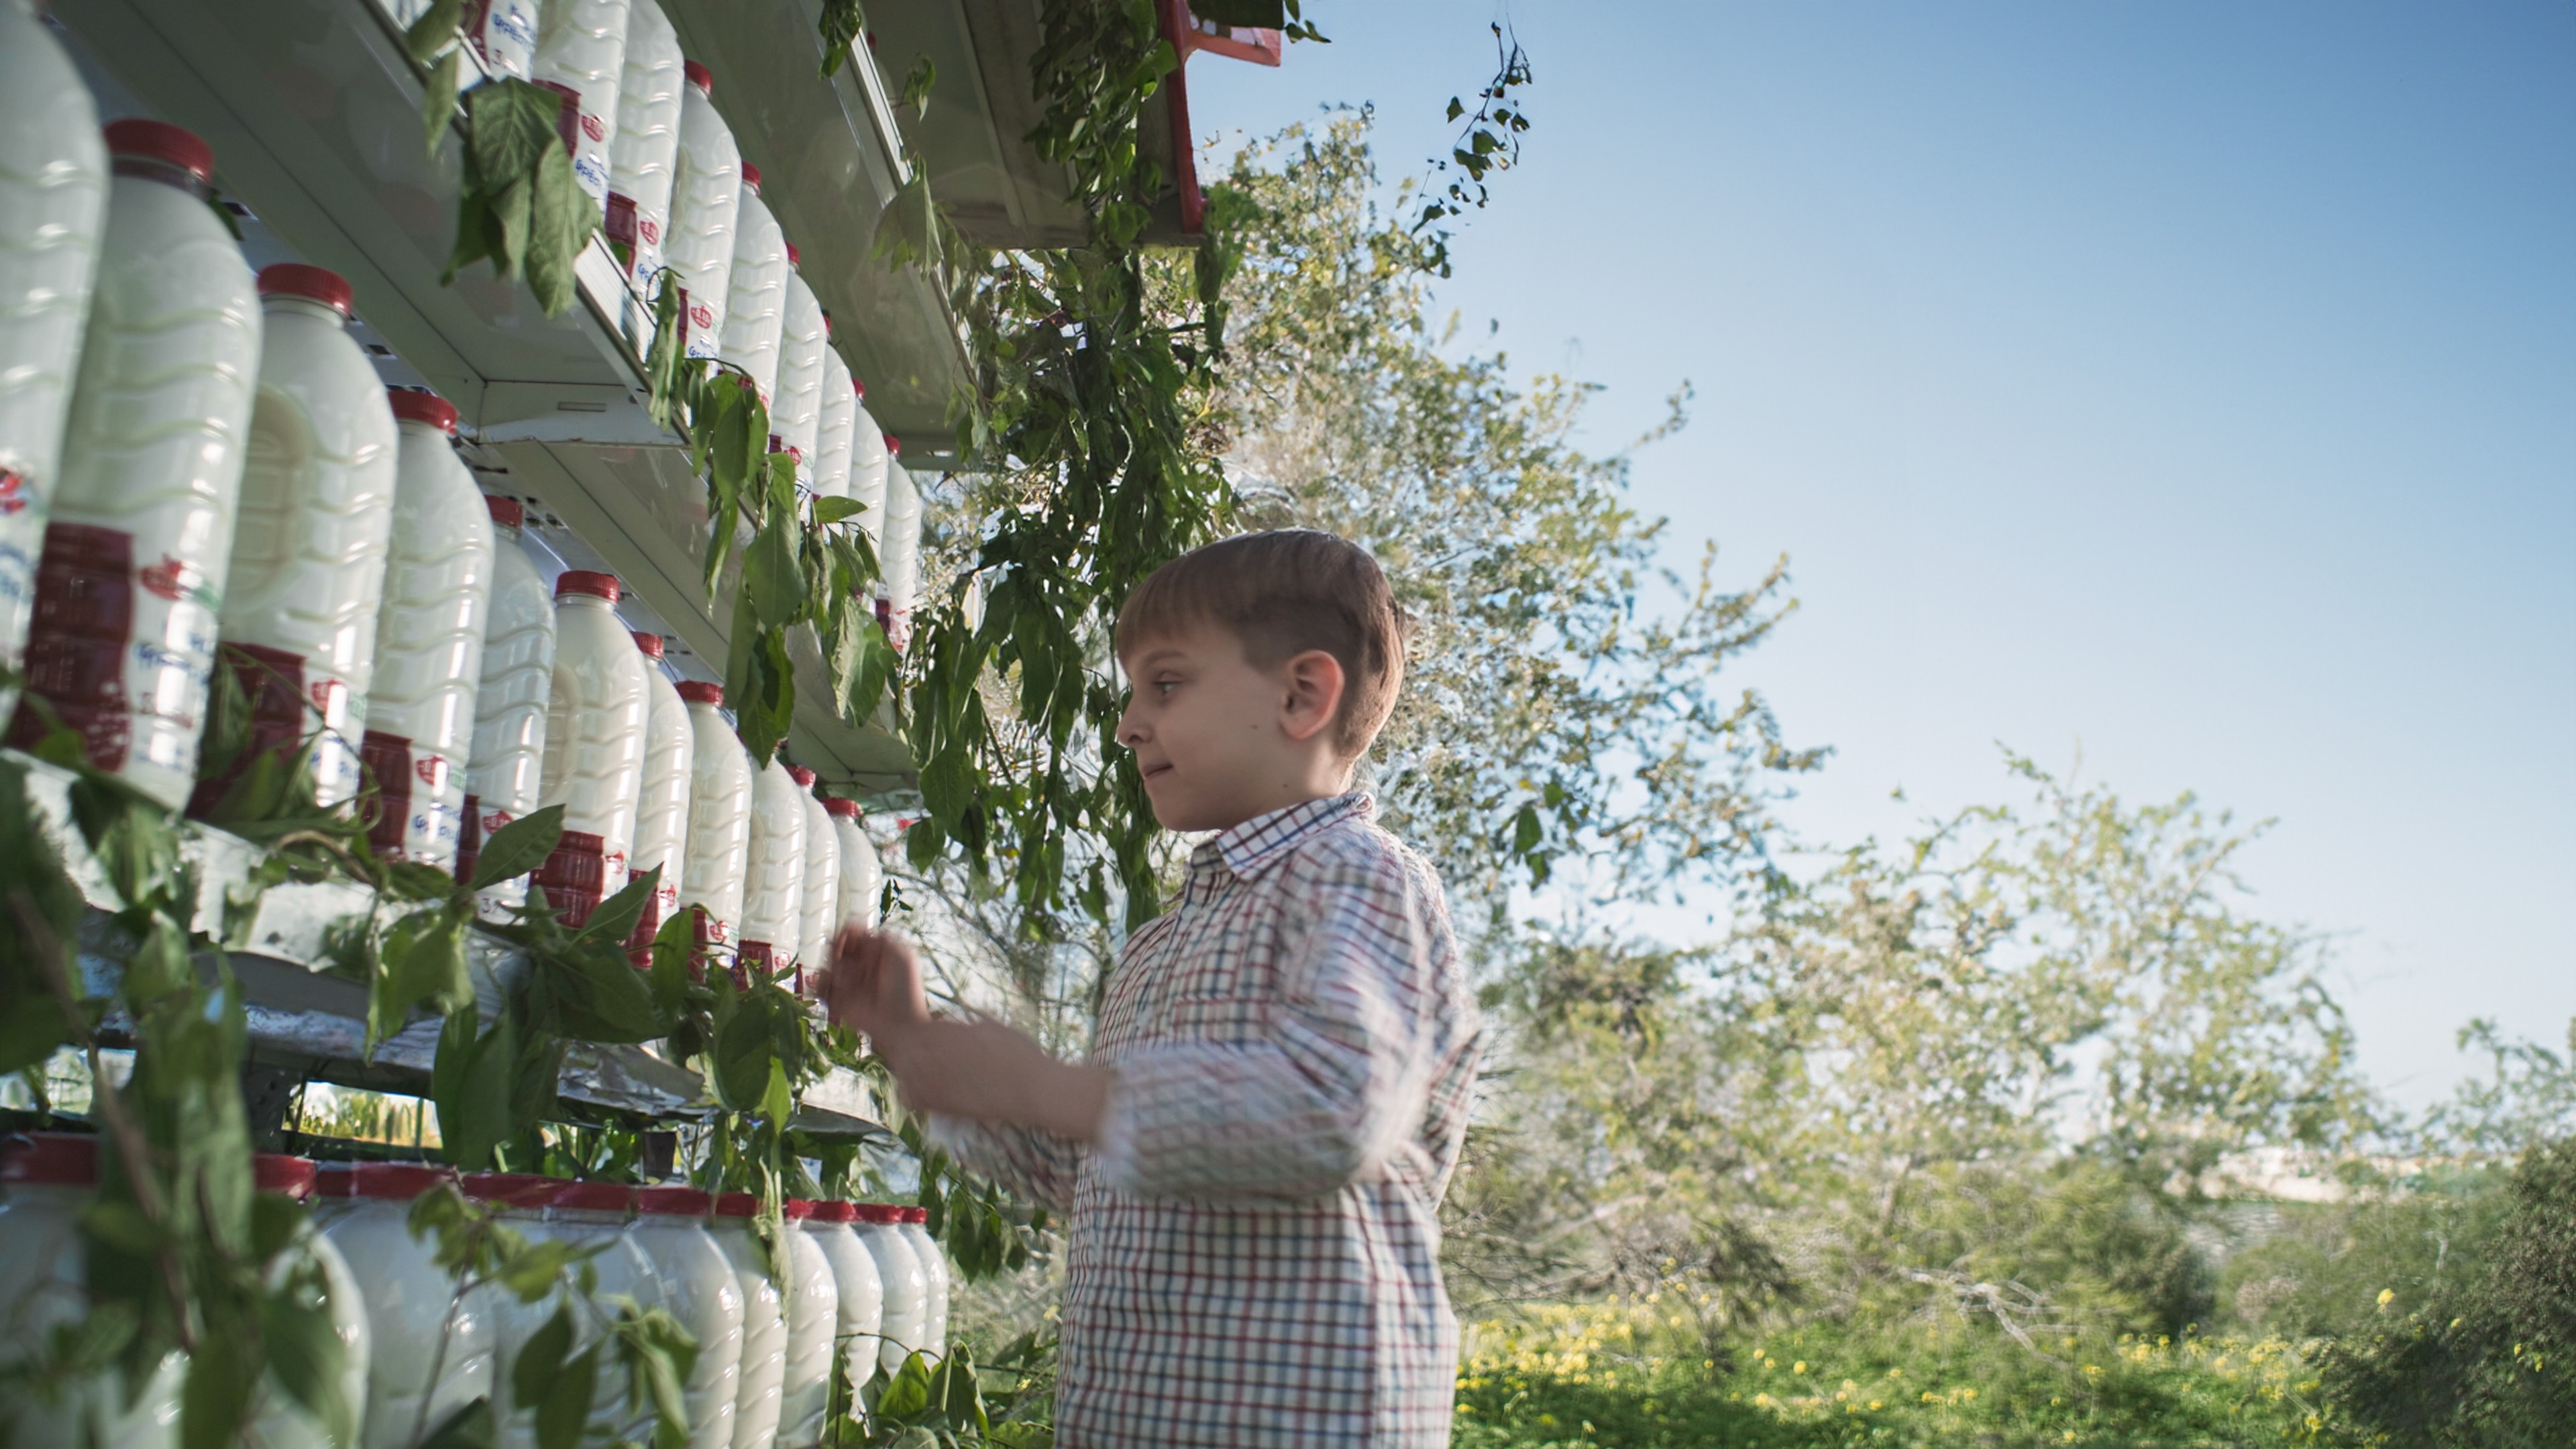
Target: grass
x: 1632, y: 1374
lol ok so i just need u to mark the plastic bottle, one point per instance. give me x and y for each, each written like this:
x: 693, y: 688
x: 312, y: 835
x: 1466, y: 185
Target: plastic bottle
x: 504, y: 34
x: 862, y: 878
x: 719, y: 850
x: 123, y: 643
x: 813, y: 1305
x: 646, y: 148
x: 309, y: 543
x: 818, y: 898
x: 772, y: 914
x: 429, y: 638
x: 899, y: 556
x: 428, y: 1355
x: 756, y: 303
x: 597, y: 721
x: 797, y: 414
x: 593, y: 1216
x: 518, y: 1201
x: 764, y: 1324
x: 862, y: 1296
x: 581, y: 51
x: 907, y: 1290
x: 662, y: 805
x: 835, y: 425
x: 53, y: 211
x: 871, y: 450
x: 282, y: 1422
x: 505, y: 772
x: 934, y: 1280
x: 706, y: 203
x: 700, y: 1290
x: 46, y: 1179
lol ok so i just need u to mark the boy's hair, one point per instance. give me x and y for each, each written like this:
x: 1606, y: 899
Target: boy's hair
x: 1282, y: 593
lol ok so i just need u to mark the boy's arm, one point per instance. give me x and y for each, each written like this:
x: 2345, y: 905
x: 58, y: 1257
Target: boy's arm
x: 1036, y: 1164
x: 1360, y: 1031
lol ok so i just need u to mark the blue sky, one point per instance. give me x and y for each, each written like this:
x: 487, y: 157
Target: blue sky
x: 2188, y: 390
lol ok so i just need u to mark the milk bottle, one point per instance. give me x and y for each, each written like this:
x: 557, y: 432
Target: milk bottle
x: 764, y: 1324
x: 597, y: 721
x: 813, y: 1305
x: 415, y: 1326
x: 505, y: 773
x: 719, y: 849
x: 835, y: 424
x: 862, y: 880
x: 871, y: 450
x: 53, y: 207
x: 123, y: 644
x: 854, y: 1275
x: 819, y: 896
x: 518, y: 1201
x: 581, y: 50
x: 646, y: 144
x: 317, y: 511
x: 593, y: 1216
x: 282, y: 1422
x: 899, y: 556
x: 504, y: 34
x: 429, y: 638
x: 662, y: 807
x: 907, y: 1290
x: 934, y: 1280
x: 773, y: 917
x: 706, y: 199
x: 49, y: 1177
x: 797, y: 415
x: 756, y: 304
x: 700, y: 1289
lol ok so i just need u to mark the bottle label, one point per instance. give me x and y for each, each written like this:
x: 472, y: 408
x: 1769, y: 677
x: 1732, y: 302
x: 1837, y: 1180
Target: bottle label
x: 76, y: 643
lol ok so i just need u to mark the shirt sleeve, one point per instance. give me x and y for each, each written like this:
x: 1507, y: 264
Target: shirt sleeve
x: 1336, y: 1089
x: 1037, y: 1165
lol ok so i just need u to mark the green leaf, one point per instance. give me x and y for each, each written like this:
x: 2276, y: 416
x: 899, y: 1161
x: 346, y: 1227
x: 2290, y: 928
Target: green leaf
x: 907, y: 1396
x: 771, y: 575
x: 833, y: 510
x: 216, y: 1394
x: 470, y: 1427
x: 438, y: 96
x: 471, y: 1081
x: 1526, y: 830
x: 777, y: 1100
x: 565, y: 1409
x: 613, y: 920
x: 519, y: 847
x: 513, y: 123
x: 561, y: 220
x: 305, y: 1352
x: 506, y: 226
x: 435, y: 31
x: 541, y: 1359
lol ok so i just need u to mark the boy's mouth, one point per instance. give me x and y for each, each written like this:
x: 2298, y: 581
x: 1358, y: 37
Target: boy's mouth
x: 1163, y: 767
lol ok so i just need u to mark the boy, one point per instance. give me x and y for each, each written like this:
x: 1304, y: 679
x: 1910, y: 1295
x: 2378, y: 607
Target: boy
x: 1250, y: 1164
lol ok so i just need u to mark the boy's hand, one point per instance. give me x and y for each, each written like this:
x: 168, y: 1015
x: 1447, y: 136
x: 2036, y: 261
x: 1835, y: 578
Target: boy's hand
x: 988, y: 1072
x: 874, y: 985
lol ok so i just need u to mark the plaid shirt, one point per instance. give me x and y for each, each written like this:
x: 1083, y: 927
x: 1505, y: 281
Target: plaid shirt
x: 1255, y: 1239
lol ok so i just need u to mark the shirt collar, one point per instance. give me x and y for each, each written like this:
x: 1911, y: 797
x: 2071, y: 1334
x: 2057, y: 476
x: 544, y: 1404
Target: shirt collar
x: 1249, y: 848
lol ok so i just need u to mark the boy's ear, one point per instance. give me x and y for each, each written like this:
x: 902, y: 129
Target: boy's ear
x: 1314, y: 696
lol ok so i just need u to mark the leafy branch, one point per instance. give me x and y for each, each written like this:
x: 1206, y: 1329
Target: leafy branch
x: 1490, y: 141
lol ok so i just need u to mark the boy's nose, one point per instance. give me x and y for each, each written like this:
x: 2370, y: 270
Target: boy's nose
x: 1129, y: 732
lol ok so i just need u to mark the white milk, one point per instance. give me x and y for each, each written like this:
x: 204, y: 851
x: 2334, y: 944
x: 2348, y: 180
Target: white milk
x: 281, y: 1422
x: 49, y: 1177
x: 53, y: 207
x: 597, y: 721
x: 142, y: 528
x: 862, y: 1296
x: 870, y: 455
x: 934, y: 1280
x: 700, y: 1289
x: 505, y: 773
x: 594, y: 1215
x: 504, y: 33
x: 581, y: 48
x: 414, y: 1328
x: 862, y: 878
x: 764, y: 1325
x: 719, y: 849
x: 899, y: 556
x: 646, y: 146
x: 317, y: 511
x: 518, y: 1201
x: 819, y: 898
x: 756, y: 304
x: 907, y: 1291
x: 797, y: 415
x: 835, y: 426
x: 662, y: 805
x: 813, y: 1304
x: 429, y: 638
x: 706, y: 201
x: 773, y: 917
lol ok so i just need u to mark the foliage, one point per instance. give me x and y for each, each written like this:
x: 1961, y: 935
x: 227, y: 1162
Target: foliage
x: 2527, y: 1095
x: 1488, y: 142
x: 2317, y: 1270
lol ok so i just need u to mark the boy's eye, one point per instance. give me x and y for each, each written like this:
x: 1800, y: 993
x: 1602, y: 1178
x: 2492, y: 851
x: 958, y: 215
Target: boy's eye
x: 1166, y: 686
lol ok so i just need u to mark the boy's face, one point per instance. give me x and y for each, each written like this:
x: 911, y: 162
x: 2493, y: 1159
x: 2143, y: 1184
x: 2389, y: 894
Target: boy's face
x: 1220, y: 741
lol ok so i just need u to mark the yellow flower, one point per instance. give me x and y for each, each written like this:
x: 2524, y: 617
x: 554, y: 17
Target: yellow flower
x: 2387, y: 1296
x: 1799, y: 1367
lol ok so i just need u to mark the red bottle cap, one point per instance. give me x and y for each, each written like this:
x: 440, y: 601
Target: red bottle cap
x: 697, y: 75
x: 916, y: 1216
x: 834, y: 805
x: 875, y: 1212
x: 698, y: 691
x: 860, y: 388
x: 414, y: 406
x: 795, y: 259
x: 395, y: 1181
x: 835, y: 1212
x: 512, y: 1189
x: 827, y: 324
x: 595, y: 1197
x: 505, y: 511
x: 803, y: 777
x: 651, y: 644
x: 160, y: 141
x: 751, y: 176
x: 674, y: 1202
x: 736, y: 1205
x: 584, y: 581
x: 68, y: 1159
x: 334, y: 1179
x: 893, y: 443
x: 796, y: 1209
x: 313, y: 284
x: 280, y: 1173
